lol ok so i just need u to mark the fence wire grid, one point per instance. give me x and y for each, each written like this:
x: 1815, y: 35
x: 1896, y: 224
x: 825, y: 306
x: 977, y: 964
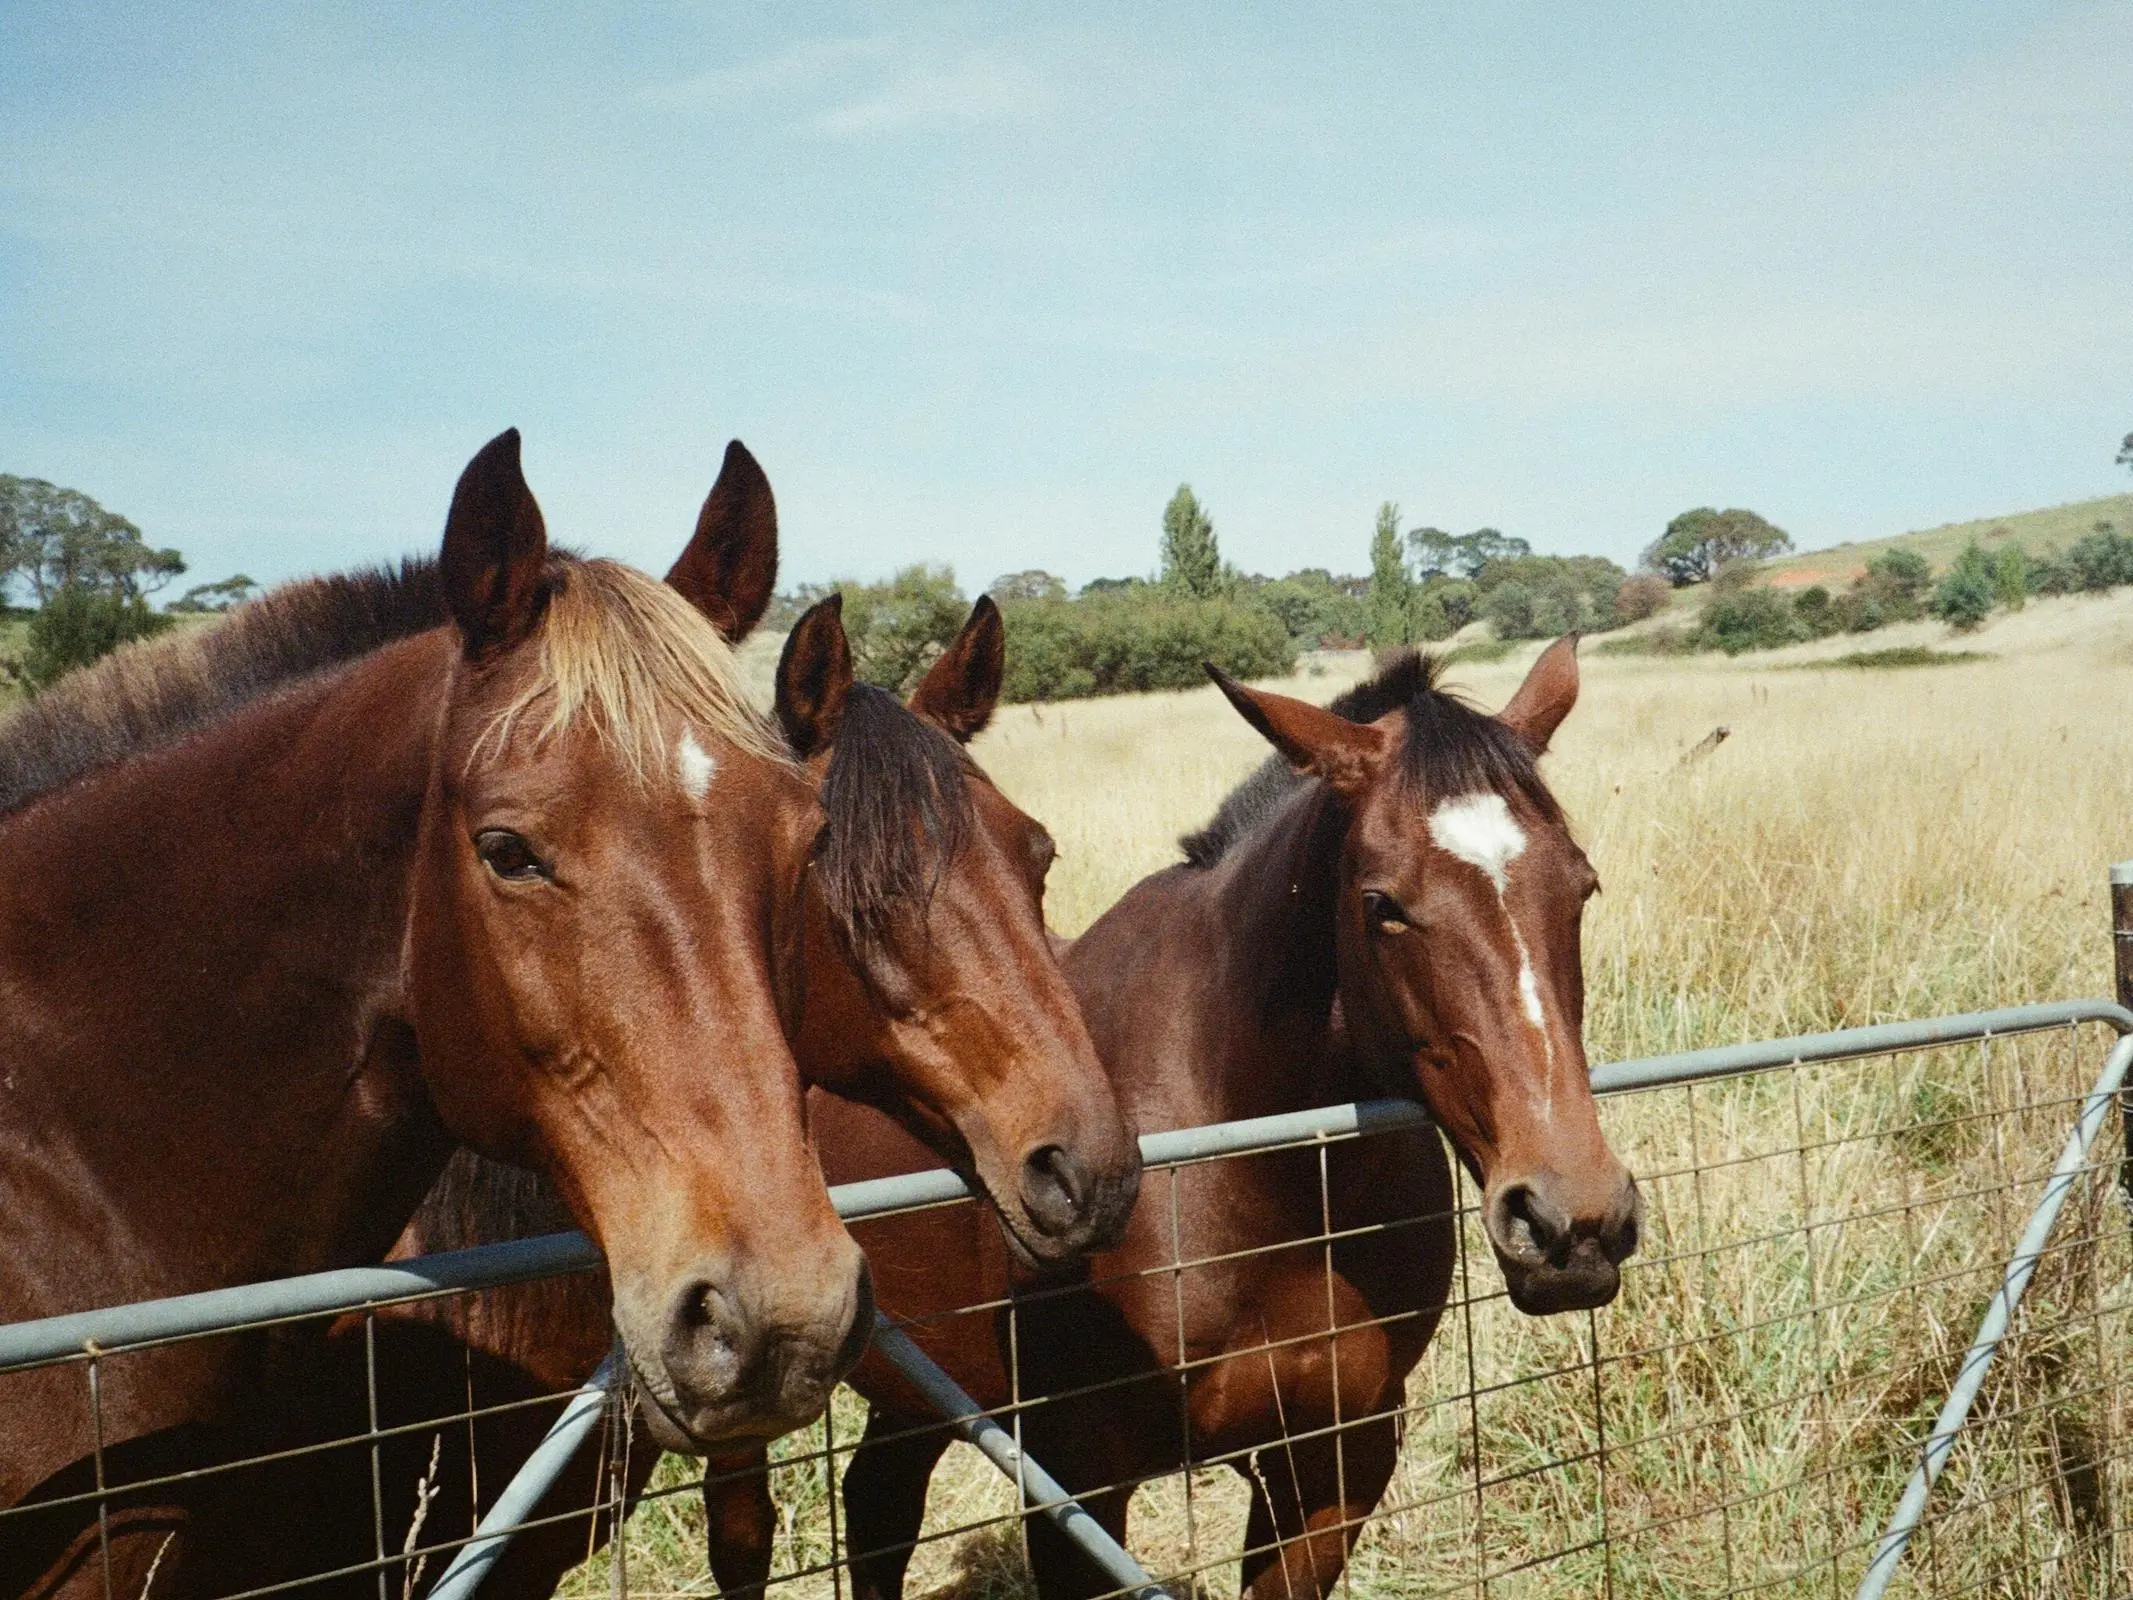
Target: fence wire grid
x: 1821, y: 1239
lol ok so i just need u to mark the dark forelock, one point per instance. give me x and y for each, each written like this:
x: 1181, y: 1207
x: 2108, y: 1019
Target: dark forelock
x: 897, y: 809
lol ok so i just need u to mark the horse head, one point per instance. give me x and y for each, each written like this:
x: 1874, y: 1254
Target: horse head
x: 1457, y: 932
x: 930, y: 986
x: 610, y: 849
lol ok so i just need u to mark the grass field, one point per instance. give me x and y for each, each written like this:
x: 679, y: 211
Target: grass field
x: 1865, y: 845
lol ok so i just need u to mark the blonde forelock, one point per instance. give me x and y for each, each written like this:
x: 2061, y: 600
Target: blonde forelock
x: 628, y: 655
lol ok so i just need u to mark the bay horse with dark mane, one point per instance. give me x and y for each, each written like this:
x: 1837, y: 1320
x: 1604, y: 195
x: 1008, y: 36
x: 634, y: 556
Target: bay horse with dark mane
x: 923, y: 982
x: 1390, y: 906
x: 490, y: 852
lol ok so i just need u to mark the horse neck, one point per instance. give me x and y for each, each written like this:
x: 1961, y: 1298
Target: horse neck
x: 200, y: 957
x: 1273, y: 899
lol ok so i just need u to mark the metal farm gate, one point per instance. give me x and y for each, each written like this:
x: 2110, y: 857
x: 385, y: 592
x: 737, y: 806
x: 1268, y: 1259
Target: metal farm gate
x: 1873, y: 1341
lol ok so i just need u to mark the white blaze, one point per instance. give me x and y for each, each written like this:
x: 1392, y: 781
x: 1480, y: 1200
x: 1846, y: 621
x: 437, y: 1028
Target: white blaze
x: 693, y: 766
x: 1480, y: 830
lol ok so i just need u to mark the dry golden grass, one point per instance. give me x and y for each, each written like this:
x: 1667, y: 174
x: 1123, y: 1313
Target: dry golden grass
x: 1864, y: 846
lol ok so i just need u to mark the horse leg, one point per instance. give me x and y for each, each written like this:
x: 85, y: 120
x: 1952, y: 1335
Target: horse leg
x: 1302, y: 1525
x: 885, y: 1500
x: 741, y: 1520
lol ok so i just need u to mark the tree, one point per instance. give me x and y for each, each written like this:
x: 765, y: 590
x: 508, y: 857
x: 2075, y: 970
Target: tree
x: 898, y: 628
x: 1192, y: 561
x: 1316, y: 607
x: 233, y: 591
x: 2010, y: 577
x: 1391, y: 589
x: 1697, y: 543
x: 1963, y: 597
x: 59, y: 538
x: 2125, y: 452
x: 1033, y: 584
x: 1462, y: 555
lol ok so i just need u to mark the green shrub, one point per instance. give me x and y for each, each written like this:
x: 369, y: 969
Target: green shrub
x: 78, y: 625
x: 1857, y: 611
x: 1122, y: 641
x: 1963, y: 597
x: 2010, y: 577
x: 1551, y: 595
x: 1442, y: 606
x: 2052, y: 573
x: 1816, y: 611
x: 1897, y: 581
x: 1509, y: 609
x: 1748, y: 619
x: 2101, y: 560
x: 1907, y: 655
x: 1317, y: 608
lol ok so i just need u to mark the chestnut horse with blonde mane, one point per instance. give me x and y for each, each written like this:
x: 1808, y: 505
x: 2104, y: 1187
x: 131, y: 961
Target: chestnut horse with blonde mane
x: 1390, y: 906
x: 922, y: 982
x: 289, y: 909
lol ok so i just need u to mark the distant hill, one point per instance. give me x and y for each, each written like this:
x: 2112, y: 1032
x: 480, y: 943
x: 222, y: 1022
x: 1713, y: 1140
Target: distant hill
x: 2033, y: 530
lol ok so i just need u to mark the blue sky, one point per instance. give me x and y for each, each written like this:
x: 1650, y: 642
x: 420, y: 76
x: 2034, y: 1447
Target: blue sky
x: 982, y: 285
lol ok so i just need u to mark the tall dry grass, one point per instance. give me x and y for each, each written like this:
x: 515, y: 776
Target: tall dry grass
x: 1863, y: 846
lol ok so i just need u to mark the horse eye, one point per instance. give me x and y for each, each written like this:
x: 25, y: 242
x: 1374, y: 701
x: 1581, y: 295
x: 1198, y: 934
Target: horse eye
x: 508, y: 855
x: 1386, y: 913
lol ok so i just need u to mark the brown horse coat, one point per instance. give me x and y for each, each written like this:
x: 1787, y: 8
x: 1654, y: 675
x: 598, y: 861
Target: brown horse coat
x: 1330, y: 937
x: 286, y: 909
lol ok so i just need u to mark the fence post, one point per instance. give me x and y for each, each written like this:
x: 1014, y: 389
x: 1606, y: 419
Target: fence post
x: 2122, y: 966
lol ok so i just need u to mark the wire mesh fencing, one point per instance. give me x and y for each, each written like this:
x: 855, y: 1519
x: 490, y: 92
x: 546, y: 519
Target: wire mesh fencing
x: 1827, y: 1221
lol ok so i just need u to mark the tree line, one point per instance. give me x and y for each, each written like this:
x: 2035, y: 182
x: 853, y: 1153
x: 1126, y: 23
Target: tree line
x: 88, y: 572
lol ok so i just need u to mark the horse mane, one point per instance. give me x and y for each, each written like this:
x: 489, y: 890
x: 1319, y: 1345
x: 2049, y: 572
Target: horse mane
x: 157, y: 692
x: 897, y: 810
x: 1450, y: 748
x: 617, y: 648
x: 479, y: 1201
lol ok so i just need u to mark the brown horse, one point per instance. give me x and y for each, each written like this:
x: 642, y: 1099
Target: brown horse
x: 926, y: 985
x: 1393, y: 905
x: 289, y: 908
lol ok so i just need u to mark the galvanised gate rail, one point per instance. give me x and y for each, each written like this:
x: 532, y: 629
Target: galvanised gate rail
x: 1938, y: 1136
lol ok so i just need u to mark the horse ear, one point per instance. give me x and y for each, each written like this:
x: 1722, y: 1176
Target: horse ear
x: 1310, y: 738
x: 495, y: 552
x: 1545, y: 698
x: 731, y: 563
x: 961, y: 688
x: 814, y: 678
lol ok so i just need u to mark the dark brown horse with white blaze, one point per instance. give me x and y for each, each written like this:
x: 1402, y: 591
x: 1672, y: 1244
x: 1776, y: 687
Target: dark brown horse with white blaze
x: 923, y: 982
x: 1391, y: 905
x: 491, y: 851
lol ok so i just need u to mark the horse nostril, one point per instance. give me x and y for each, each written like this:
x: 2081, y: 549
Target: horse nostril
x: 1528, y: 1227
x: 707, y: 1341
x: 1054, y: 1188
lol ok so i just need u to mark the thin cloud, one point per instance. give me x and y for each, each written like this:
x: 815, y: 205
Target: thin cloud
x: 862, y: 88
x: 810, y: 65
x: 976, y: 88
